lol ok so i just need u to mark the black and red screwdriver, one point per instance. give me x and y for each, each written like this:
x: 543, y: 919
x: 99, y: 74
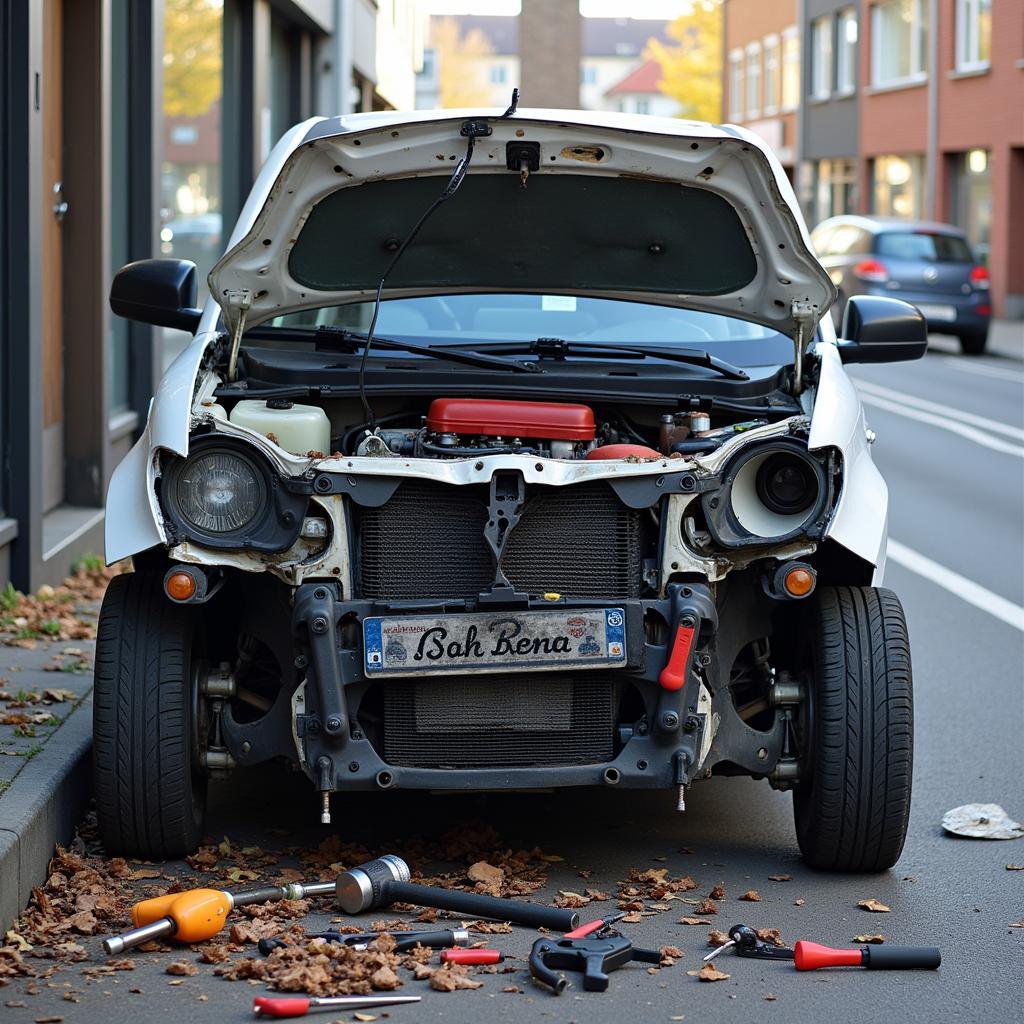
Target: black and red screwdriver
x: 810, y: 956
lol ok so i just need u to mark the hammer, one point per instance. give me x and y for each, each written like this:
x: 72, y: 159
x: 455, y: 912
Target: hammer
x: 384, y: 881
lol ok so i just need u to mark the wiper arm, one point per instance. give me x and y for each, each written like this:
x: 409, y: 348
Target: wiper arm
x: 341, y: 340
x: 559, y: 348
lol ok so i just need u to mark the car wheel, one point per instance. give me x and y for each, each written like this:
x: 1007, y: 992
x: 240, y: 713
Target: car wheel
x: 973, y: 343
x: 852, y: 810
x: 150, y: 789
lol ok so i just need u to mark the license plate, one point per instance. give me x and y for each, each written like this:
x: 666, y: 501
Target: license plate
x: 943, y: 314
x: 494, y: 641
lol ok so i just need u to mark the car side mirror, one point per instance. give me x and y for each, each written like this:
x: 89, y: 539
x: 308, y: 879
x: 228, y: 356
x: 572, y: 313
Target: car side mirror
x: 159, y: 292
x: 877, y: 329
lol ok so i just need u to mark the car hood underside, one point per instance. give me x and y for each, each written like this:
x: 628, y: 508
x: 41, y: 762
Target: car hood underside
x: 654, y: 210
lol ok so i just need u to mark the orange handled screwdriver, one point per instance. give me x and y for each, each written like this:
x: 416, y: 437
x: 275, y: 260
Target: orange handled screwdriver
x: 198, y: 914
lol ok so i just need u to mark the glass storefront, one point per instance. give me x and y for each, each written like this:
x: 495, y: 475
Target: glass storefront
x: 835, y: 184
x: 897, y: 185
x: 970, y: 205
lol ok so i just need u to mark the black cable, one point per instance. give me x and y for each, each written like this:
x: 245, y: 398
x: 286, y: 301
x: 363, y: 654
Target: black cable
x: 470, y: 130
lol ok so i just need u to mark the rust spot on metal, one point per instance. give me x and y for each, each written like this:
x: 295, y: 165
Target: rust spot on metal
x: 585, y: 154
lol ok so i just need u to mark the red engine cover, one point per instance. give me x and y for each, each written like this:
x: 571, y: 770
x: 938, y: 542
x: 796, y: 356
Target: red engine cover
x: 495, y: 418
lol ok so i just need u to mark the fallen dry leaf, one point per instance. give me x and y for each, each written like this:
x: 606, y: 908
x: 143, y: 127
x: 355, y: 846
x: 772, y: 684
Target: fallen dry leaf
x: 717, y: 938
x: 874, y: 906
x: 182, y: 967
x: 488, y: 878
x: 780, y: 878
x: 799, y: 903
x: 709, y: 972
x: 770, y: 997
x: 718, y: 893
x: 751, y: 896
x: 1015, y: 867
x: 875, y: 939
x: 570, y: 900
x: 633, y: 918
x: 364, y: 1016
x: 693, y: 920
x: 707, y: 907
x: 1016, y: 924
x: 771, y: 936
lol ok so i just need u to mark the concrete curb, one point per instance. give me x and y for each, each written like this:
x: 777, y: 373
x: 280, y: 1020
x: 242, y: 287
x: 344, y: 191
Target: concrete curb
x: 42, y: 807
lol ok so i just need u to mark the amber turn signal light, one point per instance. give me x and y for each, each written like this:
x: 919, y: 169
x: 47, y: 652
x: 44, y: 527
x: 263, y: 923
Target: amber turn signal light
x: 799, y: 581
x: 180, y: 585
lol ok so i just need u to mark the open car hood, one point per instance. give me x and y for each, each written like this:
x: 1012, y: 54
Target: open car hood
x: 620, y: 206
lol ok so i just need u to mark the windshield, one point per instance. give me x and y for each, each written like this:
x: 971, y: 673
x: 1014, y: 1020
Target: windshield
x: 921, y: 245
x: 505, y: 317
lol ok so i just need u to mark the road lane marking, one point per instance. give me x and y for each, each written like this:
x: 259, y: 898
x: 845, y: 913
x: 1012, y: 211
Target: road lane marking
x: 972, y: 434
x: 946, y: 411
x: 984, y: 369
x: 967, y: 590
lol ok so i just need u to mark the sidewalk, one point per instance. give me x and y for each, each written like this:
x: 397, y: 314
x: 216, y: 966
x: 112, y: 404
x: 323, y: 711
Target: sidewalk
x: 47, y: 642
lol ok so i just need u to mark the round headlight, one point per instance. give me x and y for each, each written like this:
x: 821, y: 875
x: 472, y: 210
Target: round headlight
x: 786, y: 484
x: 220, y: 492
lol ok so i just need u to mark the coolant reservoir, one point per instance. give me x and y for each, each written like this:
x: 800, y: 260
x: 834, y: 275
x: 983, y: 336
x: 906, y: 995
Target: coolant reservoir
x: 299, y: 429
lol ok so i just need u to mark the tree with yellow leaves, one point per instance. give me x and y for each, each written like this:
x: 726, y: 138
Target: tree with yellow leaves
x: 691, y: 66
x: 460, y: 63
x: 192, y: 56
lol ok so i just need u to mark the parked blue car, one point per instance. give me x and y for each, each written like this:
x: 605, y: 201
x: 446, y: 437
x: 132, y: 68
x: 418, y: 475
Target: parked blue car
x: 927, y: 264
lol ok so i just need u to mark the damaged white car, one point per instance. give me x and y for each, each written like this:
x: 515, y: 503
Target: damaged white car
x: 511, y: 451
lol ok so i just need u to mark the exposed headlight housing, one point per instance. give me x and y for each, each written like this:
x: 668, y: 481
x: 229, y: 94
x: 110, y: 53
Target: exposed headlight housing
x: 771, y: 492
x: 226, y: 495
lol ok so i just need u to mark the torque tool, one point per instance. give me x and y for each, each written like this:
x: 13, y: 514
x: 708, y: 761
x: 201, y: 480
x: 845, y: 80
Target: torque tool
x: 809, y: 956
x: 198, y: 914
x: 472, y: 956
x: 299, y: 1006
x: 360, y: 940
x: 595, y: 957
x: 597, y: 927
x: 384, y: 881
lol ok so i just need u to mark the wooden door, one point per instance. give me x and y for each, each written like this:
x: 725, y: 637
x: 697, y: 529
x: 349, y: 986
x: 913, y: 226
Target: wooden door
x: 51, y: 109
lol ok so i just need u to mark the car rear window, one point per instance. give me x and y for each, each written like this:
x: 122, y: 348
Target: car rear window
x: 562, y: 232
x: 921, y: 245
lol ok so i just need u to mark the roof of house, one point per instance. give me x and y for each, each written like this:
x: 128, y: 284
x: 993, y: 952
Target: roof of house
x: 642, y: 79
x: 601, y: 37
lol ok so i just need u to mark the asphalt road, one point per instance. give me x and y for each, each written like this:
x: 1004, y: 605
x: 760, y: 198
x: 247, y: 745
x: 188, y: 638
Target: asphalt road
x: 956, y: 512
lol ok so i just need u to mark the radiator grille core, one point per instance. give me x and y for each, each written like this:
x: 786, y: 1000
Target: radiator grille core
x: 427, y: 543
x: 499, y: 721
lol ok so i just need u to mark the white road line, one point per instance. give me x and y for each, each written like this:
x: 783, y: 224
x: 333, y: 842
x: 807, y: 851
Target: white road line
x: 946, y: 411
x: 984, y: 369
x: 944, y: 423
x: 969, y: 591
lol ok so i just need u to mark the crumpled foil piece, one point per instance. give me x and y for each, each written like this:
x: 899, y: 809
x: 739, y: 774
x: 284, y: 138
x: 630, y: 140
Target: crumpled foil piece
x: 981, y: 821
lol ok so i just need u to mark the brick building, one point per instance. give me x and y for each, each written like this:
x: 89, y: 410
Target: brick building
x: 761, y: 69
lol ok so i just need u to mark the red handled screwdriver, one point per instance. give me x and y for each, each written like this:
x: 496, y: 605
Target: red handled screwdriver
x: 472, y: 956
x: 299, y: 1006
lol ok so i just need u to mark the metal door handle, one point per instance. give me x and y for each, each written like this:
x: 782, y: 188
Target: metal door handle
x: 60, y: 207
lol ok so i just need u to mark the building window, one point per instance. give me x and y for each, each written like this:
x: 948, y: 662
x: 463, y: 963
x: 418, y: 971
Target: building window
x: 499, y: 74
x: 753, y: 79
x: 835, y: 181
x: 790, y: 68
x: 973, y: 34
x: 821, y: 58
x: 970, y: 180
x: 846, y: 51
x: 736, y: 85
x: 771, y: 74
x: 588, y: 75
x: 899, y: 42
x: 897, y: 186
x: 643, y: 106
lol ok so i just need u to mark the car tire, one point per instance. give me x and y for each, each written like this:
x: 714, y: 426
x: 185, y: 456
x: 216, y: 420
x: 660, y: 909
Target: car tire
x: 150, y: 791
x: 973, y: 343
x: 852, y: 811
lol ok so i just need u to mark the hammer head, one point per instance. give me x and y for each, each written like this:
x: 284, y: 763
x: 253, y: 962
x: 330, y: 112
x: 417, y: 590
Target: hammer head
x: 362, y: 888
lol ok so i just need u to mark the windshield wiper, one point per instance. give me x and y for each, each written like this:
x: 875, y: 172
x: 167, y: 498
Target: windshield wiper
x: 340, y: 340
x: 559, y: 348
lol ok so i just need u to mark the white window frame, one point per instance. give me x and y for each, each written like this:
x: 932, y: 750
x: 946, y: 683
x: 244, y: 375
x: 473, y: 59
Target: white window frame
x: 846, y: 52
x: 498, y: 74
x: 771, y: 65
x: 753, y: 62
x: 918, y: 47
x: 790, y: 35
x: 737, y: 85
x: 968, y: 11
x: 821, y: 58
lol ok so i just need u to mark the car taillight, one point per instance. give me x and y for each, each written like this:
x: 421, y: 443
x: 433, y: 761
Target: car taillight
x: 978, y: 277
x: 871, y: 270
x: 983, y: 310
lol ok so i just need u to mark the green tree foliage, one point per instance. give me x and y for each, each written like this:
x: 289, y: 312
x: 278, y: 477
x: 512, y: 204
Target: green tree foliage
x: 691, y: 65
x: 192, y: 56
